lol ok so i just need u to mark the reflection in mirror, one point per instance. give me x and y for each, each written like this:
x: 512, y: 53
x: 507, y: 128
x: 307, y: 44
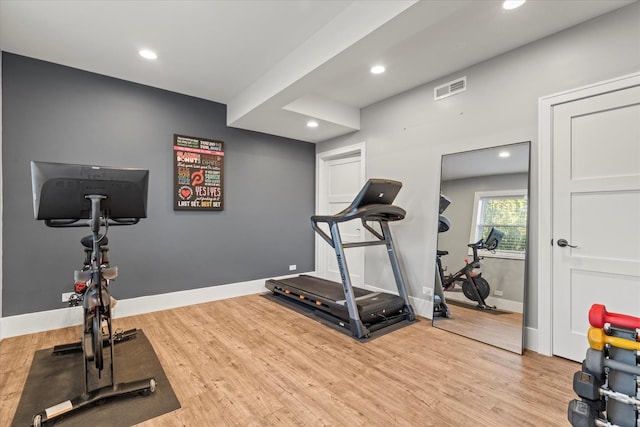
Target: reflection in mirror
x: 482, y: 245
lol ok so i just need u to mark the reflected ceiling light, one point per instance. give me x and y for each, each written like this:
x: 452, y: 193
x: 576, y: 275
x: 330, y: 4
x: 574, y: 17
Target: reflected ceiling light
x: 148, y: 54
x: 378, y: 69
x: 312, y: 124
x: 504, y: 154
x: 512, y: 4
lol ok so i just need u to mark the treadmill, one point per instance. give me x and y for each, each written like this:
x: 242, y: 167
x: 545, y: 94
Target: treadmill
x: 359, y: 310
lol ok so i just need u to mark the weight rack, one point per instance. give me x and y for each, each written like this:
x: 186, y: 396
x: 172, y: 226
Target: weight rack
x: 607, y: 384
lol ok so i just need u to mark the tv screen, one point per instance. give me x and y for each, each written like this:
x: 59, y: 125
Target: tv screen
x: 59, y: 191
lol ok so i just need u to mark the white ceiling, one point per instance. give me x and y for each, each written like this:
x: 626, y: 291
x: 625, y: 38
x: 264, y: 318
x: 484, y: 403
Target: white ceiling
x: 486, y: 162
x: 276, y: 64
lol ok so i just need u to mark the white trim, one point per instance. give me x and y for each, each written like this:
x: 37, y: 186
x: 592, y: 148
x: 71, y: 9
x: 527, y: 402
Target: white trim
x: 531, y: 339
x: 545, y: 183
x: 65, y: 317
x: 422, y: 307
x: 1, y: 200
x: 29, y: 323
x: 354, y: 150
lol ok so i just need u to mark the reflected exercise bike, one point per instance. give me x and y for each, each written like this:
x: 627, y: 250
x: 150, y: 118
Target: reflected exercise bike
x: 474, y: 286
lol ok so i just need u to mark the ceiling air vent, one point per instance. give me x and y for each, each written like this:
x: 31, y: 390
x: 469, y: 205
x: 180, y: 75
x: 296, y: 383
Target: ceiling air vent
x: 451, y: 88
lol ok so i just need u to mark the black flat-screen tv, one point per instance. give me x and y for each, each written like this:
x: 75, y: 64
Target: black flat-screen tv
x: 60, y: 190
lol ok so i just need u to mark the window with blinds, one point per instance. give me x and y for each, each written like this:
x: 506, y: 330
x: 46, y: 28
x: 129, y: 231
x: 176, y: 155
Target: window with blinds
x: 506, y: 211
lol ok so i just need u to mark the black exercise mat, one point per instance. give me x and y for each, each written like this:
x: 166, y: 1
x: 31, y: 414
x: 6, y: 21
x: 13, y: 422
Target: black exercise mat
x: 474, y: 306
x: 54, y: 378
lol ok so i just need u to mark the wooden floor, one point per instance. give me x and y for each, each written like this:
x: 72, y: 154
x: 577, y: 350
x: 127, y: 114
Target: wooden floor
x: 500, y: 328
x: 251, y: 362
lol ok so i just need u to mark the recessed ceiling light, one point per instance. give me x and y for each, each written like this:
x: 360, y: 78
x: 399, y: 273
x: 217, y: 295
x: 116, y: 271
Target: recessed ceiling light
x: 512, y: 4
x: 148, y: 54
x: 312, y: 124
x: 504, y: 154
x: 378, y: 69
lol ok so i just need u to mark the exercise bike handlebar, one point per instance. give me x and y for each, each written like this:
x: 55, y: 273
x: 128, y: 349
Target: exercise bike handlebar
x: 477, y: 245
x: 490, y: 243
x: 480, y: 244
x: 59, y: 223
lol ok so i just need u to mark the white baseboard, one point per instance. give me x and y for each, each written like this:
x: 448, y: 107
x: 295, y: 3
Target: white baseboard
x: 422, y: 307
x: 531, y: 339
x: 72, y: 316
x: 30, y: 323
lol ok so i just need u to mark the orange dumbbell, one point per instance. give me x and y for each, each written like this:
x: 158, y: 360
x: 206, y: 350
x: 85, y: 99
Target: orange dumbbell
x: 598, y: 339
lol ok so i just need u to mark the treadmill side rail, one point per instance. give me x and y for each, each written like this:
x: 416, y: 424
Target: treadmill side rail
x: 357, y: 327
x: 397, y: 272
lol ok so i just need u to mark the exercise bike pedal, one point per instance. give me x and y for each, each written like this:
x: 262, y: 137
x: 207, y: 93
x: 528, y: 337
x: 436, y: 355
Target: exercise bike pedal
x: 75, y: 300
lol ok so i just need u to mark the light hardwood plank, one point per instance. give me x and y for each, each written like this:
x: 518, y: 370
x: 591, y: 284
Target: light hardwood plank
x: 250, y: 362
x: 501, y: 328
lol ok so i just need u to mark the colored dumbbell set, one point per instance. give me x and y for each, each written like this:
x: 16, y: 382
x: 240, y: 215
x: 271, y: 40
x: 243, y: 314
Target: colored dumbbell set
x: 607, y: 384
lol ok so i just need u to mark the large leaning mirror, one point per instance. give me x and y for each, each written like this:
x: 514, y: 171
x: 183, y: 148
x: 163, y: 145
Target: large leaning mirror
x: 481, y: 261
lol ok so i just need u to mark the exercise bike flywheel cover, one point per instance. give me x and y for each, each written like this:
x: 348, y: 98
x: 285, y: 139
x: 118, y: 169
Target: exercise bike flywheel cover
x: 483, y: 288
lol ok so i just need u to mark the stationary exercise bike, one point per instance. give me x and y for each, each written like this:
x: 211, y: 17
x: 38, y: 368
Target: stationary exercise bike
x: 54, y: 185
x: 474, y: 286
x: 83, y: 286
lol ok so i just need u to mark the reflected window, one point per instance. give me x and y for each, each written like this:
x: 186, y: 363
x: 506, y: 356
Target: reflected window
x: 507, y: 211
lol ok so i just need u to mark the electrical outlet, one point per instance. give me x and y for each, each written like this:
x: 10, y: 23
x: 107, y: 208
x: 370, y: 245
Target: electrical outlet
x: 66, y: 296
x: 293, y: 267
x: 498, y: 293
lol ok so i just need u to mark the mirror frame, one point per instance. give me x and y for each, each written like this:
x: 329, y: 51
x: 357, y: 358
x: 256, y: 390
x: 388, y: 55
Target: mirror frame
x: 438, y: 321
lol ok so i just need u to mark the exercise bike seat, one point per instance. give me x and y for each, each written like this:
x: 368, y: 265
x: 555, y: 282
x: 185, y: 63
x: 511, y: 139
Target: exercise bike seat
x: 442, y: 253
x: 87, y: 241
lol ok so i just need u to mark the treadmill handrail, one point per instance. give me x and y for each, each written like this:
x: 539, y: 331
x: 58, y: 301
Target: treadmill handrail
x: 367, y: 213
x: 376, y: 213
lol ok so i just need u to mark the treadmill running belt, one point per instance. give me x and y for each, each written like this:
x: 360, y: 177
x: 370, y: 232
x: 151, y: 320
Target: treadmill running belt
x: 328, y: 296
x: 321, y: 287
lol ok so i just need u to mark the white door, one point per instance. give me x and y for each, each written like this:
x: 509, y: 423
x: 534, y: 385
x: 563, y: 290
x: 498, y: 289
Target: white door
x: 596, y: 207
x: 343, y: 180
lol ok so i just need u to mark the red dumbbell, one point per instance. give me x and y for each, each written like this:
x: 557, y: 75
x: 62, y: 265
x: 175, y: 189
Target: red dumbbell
x: 598, y: 316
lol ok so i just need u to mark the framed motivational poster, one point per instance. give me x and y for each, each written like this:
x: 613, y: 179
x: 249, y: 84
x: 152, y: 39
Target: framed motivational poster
x: 198, y: 172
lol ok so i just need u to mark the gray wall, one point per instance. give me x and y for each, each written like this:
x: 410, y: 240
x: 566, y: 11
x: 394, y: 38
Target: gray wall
x: 406, y: 135
x: 59, y: 114
x: 502, y: 274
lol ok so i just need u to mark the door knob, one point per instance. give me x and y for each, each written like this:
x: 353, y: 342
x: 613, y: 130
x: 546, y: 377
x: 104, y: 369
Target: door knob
x: 563, y: 243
